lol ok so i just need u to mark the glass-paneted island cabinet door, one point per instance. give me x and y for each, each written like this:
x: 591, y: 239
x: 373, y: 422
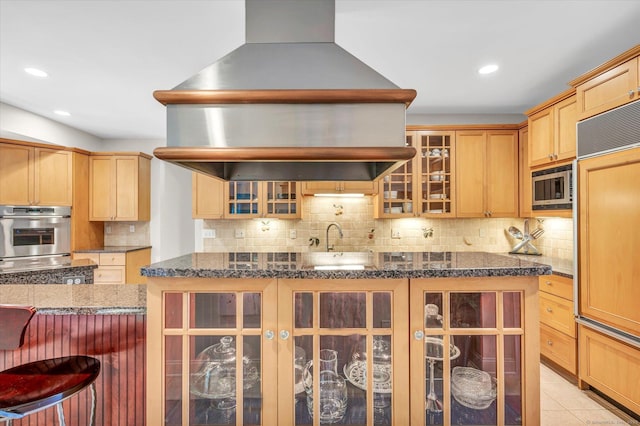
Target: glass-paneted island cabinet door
x: 469, y: 351
x: 216, y: 348
x: 334, y: 332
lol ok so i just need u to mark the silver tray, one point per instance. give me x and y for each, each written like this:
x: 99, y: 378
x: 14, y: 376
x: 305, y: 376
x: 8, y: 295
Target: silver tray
x: 356, y: 373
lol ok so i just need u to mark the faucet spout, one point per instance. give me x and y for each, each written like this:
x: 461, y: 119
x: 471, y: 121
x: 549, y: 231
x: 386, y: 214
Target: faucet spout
x: 339, y: 228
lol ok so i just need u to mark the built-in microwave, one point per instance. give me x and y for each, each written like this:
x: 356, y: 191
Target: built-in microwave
x: 552, y: 189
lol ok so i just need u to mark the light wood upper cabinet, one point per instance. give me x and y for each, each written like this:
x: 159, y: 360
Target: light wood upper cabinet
x: 552, y: 133
x: 34, y: 175
x: 206, y: 199
x: 610, y: 89
x: 215, y: 199
x: 525, y: 173
x: 120, y: 187
x: 487, y: 173
x: 339, y: 187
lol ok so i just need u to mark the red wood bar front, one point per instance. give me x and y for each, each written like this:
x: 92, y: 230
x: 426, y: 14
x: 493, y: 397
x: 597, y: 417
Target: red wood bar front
x: 118, y: 341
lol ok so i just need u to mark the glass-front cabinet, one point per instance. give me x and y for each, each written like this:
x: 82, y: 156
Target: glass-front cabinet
x: 338, y: 331
x: 436, y: 172
x: 217, y: 365
x: 468, y: 352
x: 423, y: 186
x: 267, y: 352
x: 253, y: 199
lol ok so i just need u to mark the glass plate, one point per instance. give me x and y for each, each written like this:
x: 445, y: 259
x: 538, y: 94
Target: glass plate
x: 356, y: 373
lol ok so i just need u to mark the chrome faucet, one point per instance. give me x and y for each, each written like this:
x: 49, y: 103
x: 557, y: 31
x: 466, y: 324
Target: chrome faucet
x: 339, y: 228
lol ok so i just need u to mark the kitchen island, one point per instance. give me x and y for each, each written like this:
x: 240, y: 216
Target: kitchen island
x: 390, y: 313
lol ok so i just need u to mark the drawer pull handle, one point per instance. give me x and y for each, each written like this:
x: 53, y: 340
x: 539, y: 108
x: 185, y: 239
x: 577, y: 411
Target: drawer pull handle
x: 549, y: 342
x: 549, y: 310
x: 547, y: 282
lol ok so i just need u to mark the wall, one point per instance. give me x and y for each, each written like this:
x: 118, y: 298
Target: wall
x: 170, y: 231
x: 357, y: 223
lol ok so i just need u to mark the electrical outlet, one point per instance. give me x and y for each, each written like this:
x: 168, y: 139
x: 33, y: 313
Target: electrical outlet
x: 107, y: 229
x: 132, y: 228
x: 293, y: 234
x: 395, y: 233
x: 482, y: 233
x: 239, y: 233
x: 208, y: 233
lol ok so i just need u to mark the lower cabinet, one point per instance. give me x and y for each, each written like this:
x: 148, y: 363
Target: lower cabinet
x: 297, y: 351
x: 557, y: 322
x: 118, y: 268
x: 610, y: 366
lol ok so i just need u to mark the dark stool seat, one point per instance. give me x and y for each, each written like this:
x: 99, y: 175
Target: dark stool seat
x: 35, y: 386
x: 41, y: 384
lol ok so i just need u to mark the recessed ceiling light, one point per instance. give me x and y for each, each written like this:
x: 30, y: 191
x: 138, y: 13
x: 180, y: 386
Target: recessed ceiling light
x: 36, y: 72
x: 488, y: 69
x: 62, y: 113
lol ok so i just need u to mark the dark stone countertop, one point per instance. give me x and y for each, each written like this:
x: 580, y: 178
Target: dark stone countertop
x: 561, y: 267
x: 112, y: 249
x: 58, y: 274
x: 376, y: 265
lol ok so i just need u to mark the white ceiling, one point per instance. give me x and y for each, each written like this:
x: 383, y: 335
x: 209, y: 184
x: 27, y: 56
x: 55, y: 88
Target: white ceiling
x: 106, y: 57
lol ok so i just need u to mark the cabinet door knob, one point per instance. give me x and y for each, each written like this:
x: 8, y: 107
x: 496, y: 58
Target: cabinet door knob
x: 550, y: 156
x: 269, y: 334
x: 631, y: 93
x: 549, y: 309
x: 284, y: 334
x: 547, y: 282
x: 549, y: 342
x: 418, y: 335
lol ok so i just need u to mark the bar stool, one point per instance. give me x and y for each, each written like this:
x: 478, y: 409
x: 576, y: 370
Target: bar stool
x: 35, y: 386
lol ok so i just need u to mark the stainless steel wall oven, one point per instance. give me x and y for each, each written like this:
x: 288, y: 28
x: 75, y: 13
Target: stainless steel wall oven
x: 34, y: 235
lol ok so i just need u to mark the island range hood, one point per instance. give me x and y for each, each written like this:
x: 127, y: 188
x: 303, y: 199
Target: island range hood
x: 289, y: 104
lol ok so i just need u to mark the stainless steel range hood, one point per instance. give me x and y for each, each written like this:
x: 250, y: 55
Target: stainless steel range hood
x: 290, y: 104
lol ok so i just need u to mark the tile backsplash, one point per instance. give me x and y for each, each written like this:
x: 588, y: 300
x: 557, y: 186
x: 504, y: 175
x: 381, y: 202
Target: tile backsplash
x: 126, y: 233
x: 362, y: 232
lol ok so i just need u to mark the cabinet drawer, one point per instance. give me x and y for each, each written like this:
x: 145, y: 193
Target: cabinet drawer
x: 94, y: 257
x: 111, y: 259
x: 557, y: 313
x: 109, y: 275
x: 558, y: 347
x: 557, y: 285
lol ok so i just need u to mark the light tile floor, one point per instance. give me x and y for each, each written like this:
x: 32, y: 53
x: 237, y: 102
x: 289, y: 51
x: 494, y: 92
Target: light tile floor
x: 563, y: 404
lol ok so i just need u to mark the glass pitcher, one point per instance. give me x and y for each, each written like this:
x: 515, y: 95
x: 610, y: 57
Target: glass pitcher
x: 333, y: 388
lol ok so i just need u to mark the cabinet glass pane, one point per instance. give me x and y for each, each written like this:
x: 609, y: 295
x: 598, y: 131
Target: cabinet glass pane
x: 212, y: 310
x: 213, y: 377
x: 382, y: 379
x: 513, y: 380
x: 433, y: 310
x: 303, y: 354
x: 343, y: 310
x: 303, y: 310
x: 251, y: 310
x: 473, y: 310
x: 512, y: 312
x: 173, y: 310
x: 252, y: 372
x: 434, y: 357
x: 381, y: 310
x: 474, y: 384
x: 173, y: 380
x: 342, y: 400
x: 243, y: 198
